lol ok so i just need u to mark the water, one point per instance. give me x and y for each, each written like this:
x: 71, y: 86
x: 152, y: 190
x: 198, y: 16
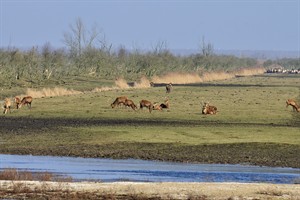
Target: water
x: 107, y: 170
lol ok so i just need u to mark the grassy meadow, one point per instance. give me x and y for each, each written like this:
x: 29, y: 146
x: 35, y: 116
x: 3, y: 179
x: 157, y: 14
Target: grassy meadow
x: 252, y: 125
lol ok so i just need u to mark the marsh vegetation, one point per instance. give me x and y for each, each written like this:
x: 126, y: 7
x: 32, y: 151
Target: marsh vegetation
x: 252, y: 120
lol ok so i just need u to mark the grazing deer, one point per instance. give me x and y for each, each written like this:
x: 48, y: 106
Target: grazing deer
x: 130, y: 103
x: 17, y: 102
x: 26, y: 101
x: 147, y: 104
x: 169, y: 88
x: 7, y: 105
x: 118, y: 101
x: 208, y: 109
x: 293, y: 103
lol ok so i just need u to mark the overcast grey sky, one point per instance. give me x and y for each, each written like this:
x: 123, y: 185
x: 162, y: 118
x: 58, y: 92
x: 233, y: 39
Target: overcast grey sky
x: 181, y: 24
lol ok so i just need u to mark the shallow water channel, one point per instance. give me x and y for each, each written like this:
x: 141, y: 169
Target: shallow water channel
x: 107, y: 170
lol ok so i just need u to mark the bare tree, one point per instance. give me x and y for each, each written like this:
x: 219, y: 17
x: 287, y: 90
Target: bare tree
x: 104, y: 45
x: 206, y: 49
x: 79, y: 39
x: 160, y: 47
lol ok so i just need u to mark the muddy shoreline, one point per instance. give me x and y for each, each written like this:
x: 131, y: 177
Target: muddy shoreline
x: 261, y: 154
x: 272, y: 155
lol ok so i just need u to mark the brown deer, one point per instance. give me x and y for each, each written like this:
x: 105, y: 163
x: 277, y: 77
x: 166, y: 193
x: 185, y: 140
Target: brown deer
x: 169, y: 88
x: 162, y: 106
x: 166, y: 104
x: 7, y: 105
x: 147, y: 104
x: 130, y: 103
x: 293, y: 103
x: 17, y: 102
x: 26, y: 101
x: 156, y: 106
x: 208, y: 109
x: 118, y: 101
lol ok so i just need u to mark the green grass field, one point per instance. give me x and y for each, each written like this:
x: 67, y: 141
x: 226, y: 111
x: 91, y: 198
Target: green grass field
x: 252, y: 126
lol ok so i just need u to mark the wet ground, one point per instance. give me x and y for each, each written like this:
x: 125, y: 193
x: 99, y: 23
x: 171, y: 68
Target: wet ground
x: 261, y: 154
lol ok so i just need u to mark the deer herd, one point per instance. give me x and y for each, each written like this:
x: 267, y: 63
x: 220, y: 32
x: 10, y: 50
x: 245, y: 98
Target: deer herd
x: 7, y: 106
x: 123, y: 100
x: 207, y: 109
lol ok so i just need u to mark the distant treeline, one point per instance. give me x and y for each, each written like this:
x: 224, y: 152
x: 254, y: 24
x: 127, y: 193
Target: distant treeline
x: 46, y: 63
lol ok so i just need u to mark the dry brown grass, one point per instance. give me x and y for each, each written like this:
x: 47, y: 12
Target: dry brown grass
x: 15, y: 175
x: 184, y: 78
x: 142, y: 83
x: 121, y: 83
x: 178, y: 78
x: 50, y: 92
x: 129, y: 190
x: 172, y: 77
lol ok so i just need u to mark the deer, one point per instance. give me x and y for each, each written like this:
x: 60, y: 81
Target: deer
x: 169, y: 88
x: 166, y: 104
x: 209, y: 109
x: 7, y: 105
x: 118, y: 101
x: 17, y: 102
x: 161, y: 106
x: 156, y: 106
x: 293, y: 103
x: 130, y: 103
x: 147, y: 104
x: 26, y: 101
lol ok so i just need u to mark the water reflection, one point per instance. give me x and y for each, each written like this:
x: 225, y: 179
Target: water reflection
x: 139, y: 170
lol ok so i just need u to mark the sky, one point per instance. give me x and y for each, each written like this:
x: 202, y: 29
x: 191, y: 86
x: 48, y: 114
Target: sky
x: 144, y: 24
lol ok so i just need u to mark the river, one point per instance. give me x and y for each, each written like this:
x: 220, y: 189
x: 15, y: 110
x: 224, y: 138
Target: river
x: 108, y: 170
